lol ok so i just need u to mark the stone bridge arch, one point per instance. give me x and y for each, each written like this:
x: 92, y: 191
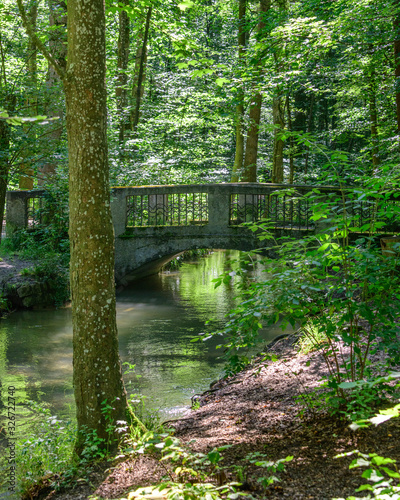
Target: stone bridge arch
x: 152, y: 224
x: 146, y: 254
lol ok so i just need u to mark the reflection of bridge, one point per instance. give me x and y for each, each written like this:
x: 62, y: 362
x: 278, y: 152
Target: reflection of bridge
x: 153, y: 224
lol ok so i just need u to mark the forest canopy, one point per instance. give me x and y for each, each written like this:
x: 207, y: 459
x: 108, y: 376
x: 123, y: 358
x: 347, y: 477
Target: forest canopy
x: 204, y: 91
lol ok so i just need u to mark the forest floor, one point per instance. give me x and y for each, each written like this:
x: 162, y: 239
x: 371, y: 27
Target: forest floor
x: 10, y: 268
x: 258, y: 410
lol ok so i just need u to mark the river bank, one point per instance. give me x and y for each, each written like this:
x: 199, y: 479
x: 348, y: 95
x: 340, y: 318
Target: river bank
x: 258, y: 411
x: 28, y: 284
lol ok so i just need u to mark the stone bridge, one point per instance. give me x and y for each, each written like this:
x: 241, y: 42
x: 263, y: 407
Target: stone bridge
x: 153, y: 224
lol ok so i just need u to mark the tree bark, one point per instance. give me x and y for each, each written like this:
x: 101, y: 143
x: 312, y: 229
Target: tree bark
x: 396, y: 47
x: 122, y: 78
x: 26, y: 171
x: 238, y: 163
x: 291, y: 154
x: 308, y: 130
x: 5, y: 136
x: 279, y: 122
x: 278, y: 111
x: 55, y: 104
x: 97, y: 369
x: 250, y: 158
x: 139, y: 75
x: 373, y: 114
x: 97, y: 373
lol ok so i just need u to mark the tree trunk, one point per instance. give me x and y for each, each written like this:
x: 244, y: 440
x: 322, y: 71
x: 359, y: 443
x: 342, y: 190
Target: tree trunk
x: 238, y: 163
x: 55, y: 104
x: 4, y: 167
x: 278, y: 110
x: 250, y: 158
x: 122, y: 77
x: 308, y: 130
x: 279, y: 122
x: 97, y: 370
x: 139, y: 75
x: 5, y: 135
x: 373, y: 114
x: 396, y: 25
x: 291, y: 153
x: 26, y: 171
x: 97, y: 373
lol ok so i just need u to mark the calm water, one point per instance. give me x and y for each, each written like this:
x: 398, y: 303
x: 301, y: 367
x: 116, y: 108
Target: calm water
x: 157, y: 318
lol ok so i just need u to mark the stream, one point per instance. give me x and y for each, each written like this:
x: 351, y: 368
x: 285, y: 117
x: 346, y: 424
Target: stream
x: 157, y: 317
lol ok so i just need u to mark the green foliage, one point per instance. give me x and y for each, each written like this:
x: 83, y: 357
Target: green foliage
x: 338, y: 288
x: 48, y: 451
x: 311, y: 339
x: 195, y: 475
x: 378, y: 473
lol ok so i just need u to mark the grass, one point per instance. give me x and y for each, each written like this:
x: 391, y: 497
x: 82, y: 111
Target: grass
x: 311, y: 339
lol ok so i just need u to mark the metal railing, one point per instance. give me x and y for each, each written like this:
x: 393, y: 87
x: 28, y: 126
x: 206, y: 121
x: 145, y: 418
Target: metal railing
x: 282, y: 211
x: 226, y: 205
x: 34, y: 211
x: 172, y: 209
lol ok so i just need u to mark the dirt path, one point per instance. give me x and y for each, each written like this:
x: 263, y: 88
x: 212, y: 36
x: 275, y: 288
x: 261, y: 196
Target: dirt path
x: 258, y: 411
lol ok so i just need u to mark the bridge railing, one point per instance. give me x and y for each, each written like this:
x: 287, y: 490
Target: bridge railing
x: 286, y: 207
x: 220, y: 205
x: 171, y: 209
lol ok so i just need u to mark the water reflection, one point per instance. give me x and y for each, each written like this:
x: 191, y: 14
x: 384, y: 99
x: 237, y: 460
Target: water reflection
x: 157, y: 318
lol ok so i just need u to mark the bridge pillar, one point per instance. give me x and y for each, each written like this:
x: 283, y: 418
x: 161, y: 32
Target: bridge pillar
x: 118, y: 211
x: 16, y: 213
x: 218, y: 206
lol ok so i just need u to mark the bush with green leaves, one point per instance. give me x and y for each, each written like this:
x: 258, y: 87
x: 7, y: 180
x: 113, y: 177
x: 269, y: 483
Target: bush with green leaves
x: 47, y: 452
x: 380, y: 472
x: 50, y: 236
x: 335, y: 282
x: 196, y: 475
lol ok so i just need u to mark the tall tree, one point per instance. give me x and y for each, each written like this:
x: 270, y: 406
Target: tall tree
x: 396, y: 47
x: 238, y: 163
x: 26, y: 171
x: 250, y: 158
x: 122, y: 77
x: 97, y: 370
x: 54, y: 102
x: 8, y: 99
x: 278, y: 107
x: 140, y: 70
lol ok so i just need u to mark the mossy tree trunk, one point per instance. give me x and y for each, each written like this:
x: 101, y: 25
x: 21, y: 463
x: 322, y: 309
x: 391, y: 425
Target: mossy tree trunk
x: 396, y: 47
x: 97, y: 370
x: 55, y: 100
x: 97, y: 373
x: 26, y: 175
x: 9, y: 101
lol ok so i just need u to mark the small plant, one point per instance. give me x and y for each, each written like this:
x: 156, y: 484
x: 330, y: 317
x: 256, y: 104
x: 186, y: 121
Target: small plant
x: 380, y: 472
x: 195, y: 404
x: 311, y: 339
x: 195, y: 475
x: 48, y: 452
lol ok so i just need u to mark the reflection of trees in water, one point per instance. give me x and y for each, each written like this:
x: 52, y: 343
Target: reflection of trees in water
x: 196, y: 285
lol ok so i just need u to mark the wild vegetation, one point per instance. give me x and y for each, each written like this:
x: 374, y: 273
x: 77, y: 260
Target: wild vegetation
x: 197, y: 92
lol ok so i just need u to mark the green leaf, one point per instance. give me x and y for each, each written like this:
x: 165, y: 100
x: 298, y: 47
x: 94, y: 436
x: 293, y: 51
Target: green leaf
x: 186, y: 4
x: 348, y: 385
x: 221, y: 81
